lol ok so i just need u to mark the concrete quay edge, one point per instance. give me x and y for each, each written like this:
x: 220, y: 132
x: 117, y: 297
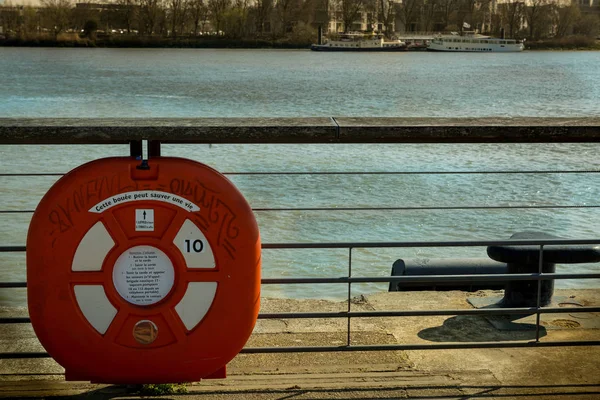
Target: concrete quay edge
x: 333, y: 129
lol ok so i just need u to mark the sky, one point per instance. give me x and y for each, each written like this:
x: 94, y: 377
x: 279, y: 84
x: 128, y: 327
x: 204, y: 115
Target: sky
x: 21, y: 2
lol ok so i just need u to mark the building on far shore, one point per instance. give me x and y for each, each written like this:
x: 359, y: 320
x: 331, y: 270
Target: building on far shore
x: 512, y: 17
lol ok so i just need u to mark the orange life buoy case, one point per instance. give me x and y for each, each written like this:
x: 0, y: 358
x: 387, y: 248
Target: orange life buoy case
x: 143, y: 276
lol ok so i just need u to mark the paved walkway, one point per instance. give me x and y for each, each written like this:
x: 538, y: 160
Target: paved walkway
x: 509, y: 373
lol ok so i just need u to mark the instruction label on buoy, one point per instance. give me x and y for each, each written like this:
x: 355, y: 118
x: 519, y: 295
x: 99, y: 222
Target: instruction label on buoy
x: 143, y: 275
x: 144, y: 219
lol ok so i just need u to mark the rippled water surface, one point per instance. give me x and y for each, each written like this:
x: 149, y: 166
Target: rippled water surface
x: 242, y: 83
x: 249, y: 83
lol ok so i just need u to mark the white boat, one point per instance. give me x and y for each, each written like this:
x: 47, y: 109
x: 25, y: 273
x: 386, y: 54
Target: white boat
x: 360, y: 42
x: 474, y: 43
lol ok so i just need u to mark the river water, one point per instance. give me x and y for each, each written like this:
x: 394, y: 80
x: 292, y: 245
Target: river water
x: 280, y: 83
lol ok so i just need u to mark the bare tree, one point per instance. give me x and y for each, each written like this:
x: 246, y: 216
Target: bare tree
x: 511, y: 14
x: 218, y: 8
x: 409, y: 13
x: 307, y: 14
x: 178, y: 15
x: 286, y: 11
x: 174, y: 13
x: 534, y: 14
x: 128, y: 11
x: 466, y: 11
x: 588, y: 25
x: 162, y: 25
x: 350, y: 10
x: 198, y: 15
x: 565, y: 19
x: 430, y: 9
x: 446, y: 7
x: 10, y: 17
x: 482, y: 15
x: 264, y: 8
x: 31, y: 20
x: 81, y: 15
x: 386, y: 15
x: 150, y: 14
x: 57, y: 14
x: 242, y: 7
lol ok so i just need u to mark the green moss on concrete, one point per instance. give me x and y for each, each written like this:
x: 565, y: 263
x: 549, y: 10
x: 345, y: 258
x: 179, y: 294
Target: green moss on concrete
x: 161, y: 389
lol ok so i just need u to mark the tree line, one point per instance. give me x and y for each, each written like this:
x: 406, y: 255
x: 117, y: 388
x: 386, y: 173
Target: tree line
x: 298, y: 19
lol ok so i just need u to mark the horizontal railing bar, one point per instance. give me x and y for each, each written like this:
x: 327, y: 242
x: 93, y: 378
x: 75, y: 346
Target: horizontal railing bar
x: 22, y: 355
x: 367, y: 245
x: 490, y: 172
x: 380, y: 347
x: 380, y: 314
x: 11, y: 249
x: 423, y: 313
x: 299, y: 130
x: 430, y: 278
x: 32, y: 174
x: 259, y: 173
x: 404, y: 279
x: 426, y: 208
x: 15, y: 320
x: 455, y: 243
x: 432, y: 346
x: 4, y: 285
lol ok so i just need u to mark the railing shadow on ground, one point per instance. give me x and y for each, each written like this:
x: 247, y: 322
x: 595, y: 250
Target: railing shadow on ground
x: 442, y: 392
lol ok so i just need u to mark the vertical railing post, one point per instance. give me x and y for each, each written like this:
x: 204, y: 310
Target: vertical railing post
x: 349, y: 293
x: 539, y: 294
x: 135, y: 149
x: 154, y: 148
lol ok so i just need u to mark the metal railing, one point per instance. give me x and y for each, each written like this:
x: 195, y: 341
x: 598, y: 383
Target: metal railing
x: 339, y: 130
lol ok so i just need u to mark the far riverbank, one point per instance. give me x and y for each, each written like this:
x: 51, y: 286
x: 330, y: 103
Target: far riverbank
x: 130, y: 41
x: 566, y: 43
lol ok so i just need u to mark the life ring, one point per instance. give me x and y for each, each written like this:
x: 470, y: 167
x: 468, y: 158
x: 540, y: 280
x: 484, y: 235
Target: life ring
x: 143, y: 276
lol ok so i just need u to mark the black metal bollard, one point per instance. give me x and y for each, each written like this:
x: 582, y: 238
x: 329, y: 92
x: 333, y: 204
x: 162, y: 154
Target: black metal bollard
x: 446, y: 266
x: 526, y: 259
